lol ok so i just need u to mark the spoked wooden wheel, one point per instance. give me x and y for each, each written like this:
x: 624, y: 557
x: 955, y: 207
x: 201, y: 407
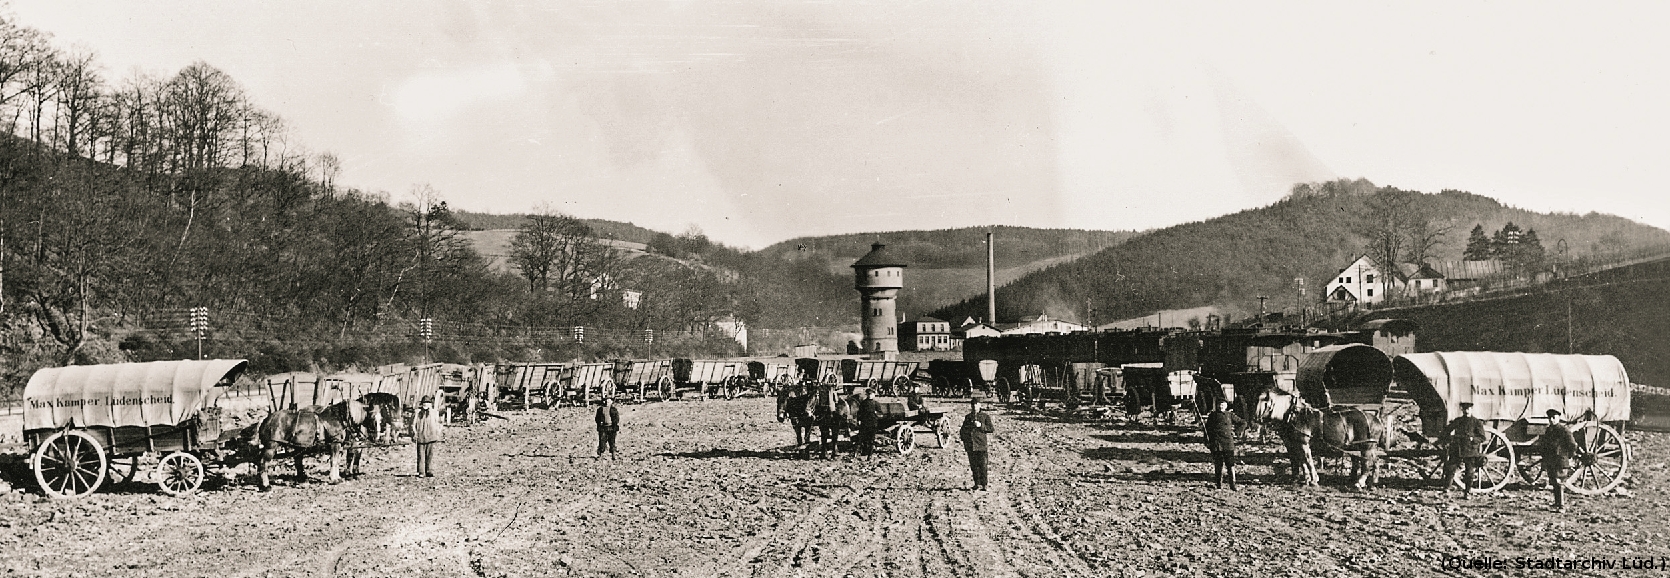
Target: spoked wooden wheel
x: 179, y: 473
x: 1529, y: 464
x: 942, y: 430
x: 903, y: 386
x: 904, y: 438
x: 69, y: 464
x: 1601, y: 459
x: 666, y: 387
x: 1498, y: 467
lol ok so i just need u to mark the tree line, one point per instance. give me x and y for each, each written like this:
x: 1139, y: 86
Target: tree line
x: 124, y: 197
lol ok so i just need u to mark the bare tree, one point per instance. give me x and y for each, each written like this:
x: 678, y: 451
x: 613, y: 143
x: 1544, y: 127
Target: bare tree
x: 566, y: 262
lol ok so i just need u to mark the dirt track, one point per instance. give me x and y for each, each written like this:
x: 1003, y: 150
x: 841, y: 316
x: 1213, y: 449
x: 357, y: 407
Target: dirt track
x: 703, y: 490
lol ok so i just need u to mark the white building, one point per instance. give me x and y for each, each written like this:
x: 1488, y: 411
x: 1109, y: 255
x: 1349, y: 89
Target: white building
x: 1040, y: 323
x: 1361, y: 282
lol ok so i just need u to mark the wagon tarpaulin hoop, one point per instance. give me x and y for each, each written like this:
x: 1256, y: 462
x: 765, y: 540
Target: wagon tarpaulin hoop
x: 1505, y: 386
x: 146, y: 394
x: 1353, y: 374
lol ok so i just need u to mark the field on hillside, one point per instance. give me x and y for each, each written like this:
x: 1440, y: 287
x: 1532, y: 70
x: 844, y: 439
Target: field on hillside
x: 710, y: 489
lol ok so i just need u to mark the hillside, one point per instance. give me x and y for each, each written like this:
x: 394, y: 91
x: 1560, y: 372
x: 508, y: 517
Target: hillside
x: 1229, y: 261
x: 949, y: 265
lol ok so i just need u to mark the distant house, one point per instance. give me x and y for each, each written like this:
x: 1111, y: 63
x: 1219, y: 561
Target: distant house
x: 925, y: 334
x: 971, y: 328
x: 1421, y: 279
x: 1041, y: 323
x: 1363, y: 283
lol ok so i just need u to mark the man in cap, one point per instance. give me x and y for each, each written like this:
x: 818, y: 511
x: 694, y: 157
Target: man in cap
x: 975, y: 428
x: 608, y: 424
x: 1221, y: 426
x: 869, y: 422
x: 1557, y: 448
x: 426, y: 432
x: 1465, y: 437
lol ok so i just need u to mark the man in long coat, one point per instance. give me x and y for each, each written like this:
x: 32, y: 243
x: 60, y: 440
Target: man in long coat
x: 869, y: 422
x: 1557, y: 448
x: 1221, y: 426
x: 1465, y: 437
x: 975, y: 428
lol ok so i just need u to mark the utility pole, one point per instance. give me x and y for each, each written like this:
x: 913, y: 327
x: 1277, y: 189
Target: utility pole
x: 200, y: 326
x: 426, y: 330
x: 1261, y: 299
x: 1299, y: 298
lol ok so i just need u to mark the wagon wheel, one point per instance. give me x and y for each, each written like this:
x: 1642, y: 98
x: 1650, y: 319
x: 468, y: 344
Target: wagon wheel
x: 902, y: 385
x: 1529, y: 465
x: 904, y: 438
x: 666, y: 387
x: 123, y: 470
x: 942, y: 430
x: 942, y: 386
x: 69, y: 464
x: 1602, y: 458
x: 1498, y: 467
x: 179, y: 473
x: 608, y: 387
x: 734, y: 386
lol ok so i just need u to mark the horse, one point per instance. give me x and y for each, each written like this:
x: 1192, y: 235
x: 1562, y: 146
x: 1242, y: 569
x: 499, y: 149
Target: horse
x: 382, y: 416
x: 1333, y: 432
x: 794, y: 405
x: 834, y: 414
x: 335, y: 428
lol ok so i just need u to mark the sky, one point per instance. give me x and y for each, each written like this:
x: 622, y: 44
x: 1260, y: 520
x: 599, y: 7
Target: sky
x: 756, y: 122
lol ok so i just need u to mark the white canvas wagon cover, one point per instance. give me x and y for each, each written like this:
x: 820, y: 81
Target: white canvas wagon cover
x: 123, y: 394
x: 1512, y: 386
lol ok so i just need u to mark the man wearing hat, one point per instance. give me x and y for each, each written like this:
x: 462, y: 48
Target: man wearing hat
x: 1465, y: 437
x: 1558, y: 448
x: 975, y: 427
x: 869, y: 422
x: 426, y: 432
x: 608, y: 424
x: 1221, y: 426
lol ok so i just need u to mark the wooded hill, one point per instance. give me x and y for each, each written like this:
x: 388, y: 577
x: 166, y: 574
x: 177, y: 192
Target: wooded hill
x: 1313, y: 233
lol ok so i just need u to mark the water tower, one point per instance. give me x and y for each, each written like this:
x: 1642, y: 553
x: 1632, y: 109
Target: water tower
x: 878, y: 277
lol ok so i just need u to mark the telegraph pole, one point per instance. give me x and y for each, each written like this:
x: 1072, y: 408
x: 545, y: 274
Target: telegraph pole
x: 200, y: 326
x: 426, y: 330
x: 991, y: 281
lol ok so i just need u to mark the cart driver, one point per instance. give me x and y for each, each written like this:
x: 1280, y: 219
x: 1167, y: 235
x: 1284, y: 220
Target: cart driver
x: 1465, y: 437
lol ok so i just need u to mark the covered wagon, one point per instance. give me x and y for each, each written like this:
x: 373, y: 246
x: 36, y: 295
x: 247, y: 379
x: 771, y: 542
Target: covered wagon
x: 88, y: 423
x: 1512, y: 393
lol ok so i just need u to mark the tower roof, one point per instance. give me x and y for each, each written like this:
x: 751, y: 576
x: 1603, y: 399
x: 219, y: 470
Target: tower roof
x: 879, y: 256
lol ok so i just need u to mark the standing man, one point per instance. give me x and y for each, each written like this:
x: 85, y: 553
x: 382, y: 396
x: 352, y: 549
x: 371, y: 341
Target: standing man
x: 1558, y: 448
x: 1465, y: 438
x: 608, y: 424
x: 869, y: 418
x: 426, y: 432
x: 975, y: 427
x: 1221, y: 426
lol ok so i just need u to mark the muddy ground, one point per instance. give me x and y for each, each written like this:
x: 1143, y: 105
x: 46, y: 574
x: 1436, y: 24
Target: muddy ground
x: 706, y: 489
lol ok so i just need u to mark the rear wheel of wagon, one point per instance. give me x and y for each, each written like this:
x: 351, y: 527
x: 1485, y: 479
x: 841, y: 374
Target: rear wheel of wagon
x: 666, y: 387
x: 1602, y: 458
x: 942, y: 430
x: 69, y: 464
x: 903, y: 386
x: 179, y: 473
x: 904, y: 438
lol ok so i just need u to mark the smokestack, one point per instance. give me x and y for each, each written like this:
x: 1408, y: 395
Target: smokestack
x: 991, y: 281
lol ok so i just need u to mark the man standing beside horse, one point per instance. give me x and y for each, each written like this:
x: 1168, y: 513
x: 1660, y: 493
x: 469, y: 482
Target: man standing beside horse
x: 1465, y: 437
x: 1221, y: 426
